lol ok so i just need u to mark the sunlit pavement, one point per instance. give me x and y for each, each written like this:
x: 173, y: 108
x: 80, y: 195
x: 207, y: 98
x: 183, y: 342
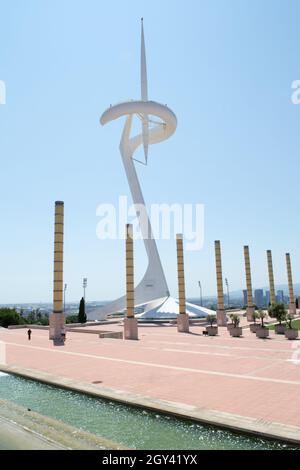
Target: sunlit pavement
x: 246, y: 376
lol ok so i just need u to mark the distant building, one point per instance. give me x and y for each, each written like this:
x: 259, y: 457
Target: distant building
x: 259, y: 298
x: 245, y: 296
x: 280, y: 296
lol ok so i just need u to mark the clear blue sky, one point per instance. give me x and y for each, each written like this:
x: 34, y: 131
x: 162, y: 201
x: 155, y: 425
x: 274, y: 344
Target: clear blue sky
x: 225, y: 67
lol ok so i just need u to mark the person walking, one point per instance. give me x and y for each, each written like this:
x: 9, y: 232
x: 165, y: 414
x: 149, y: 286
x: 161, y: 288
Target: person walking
x: 29, y: 334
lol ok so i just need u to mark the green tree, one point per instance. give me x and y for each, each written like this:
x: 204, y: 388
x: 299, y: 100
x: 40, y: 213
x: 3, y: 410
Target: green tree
x: 255, y: 316
x: 277, y: 311
x: 289, y: 320
x: 262, y: 316
x: 44, y: 320
x: 235, y: 320
x: 82, y: 316
x: 72, y: 319
x: 36, y: 317
x: 211, y: 319
x: 9, y: 316
x: 31, y: 319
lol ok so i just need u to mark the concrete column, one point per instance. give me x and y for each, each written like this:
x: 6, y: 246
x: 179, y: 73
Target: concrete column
x: 57, y: 318
x: 271, y: 278
x: 182, y: 318
x: 221, y: 314
x: 250, y: 306
x: 292, y: 305
x: 130, y: 322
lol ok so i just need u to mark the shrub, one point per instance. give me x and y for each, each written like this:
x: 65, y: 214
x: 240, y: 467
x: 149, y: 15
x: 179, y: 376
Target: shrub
x: 289, y: 319
x: 235, y: 319
x: 255, y: 316
x: 72, y: 319
x: 9, y: 316
x: 37, y: 318
x: 262, y: 315
x: 278, y: 311
x: 211, y: 319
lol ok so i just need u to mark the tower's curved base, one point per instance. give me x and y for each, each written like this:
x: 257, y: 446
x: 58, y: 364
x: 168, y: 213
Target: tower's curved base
x: 168, y: 309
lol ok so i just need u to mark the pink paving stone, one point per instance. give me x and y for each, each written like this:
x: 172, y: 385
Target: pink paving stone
x: 220, y: 373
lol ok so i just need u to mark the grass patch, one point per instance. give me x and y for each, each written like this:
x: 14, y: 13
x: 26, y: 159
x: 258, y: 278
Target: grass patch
x: 295, y: 324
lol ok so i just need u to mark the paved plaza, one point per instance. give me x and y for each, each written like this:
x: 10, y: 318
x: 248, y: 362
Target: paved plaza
x: 248, y: 377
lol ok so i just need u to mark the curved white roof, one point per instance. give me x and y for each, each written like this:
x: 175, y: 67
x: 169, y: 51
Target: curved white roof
x: 168, y: 308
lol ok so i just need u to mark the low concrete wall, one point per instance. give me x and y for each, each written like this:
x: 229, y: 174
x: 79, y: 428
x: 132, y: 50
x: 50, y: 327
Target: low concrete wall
x: 101, y: 334
x: 97, y: 323
x: 81, y: 330
x: 71, y: 325
x: 32, y: 327
x: 111, y: 334
x: 82, y: 325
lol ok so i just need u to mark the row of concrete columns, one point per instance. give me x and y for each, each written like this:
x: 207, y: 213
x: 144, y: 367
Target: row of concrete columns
x: 57, y: 319
x: 250, y: 305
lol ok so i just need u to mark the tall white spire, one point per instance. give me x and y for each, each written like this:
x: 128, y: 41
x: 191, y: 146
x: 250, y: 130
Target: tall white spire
x: 144, y: 82
x: 144, y: 92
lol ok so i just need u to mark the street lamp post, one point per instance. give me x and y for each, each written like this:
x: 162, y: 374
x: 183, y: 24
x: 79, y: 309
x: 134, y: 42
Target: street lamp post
x: 200, y: 287
x: 84, y: 285
x: 65, y: 288
x: 227, y: 286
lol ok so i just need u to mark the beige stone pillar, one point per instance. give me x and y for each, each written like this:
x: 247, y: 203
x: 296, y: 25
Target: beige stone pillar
x: 271, y: 278
x: 130, y: 322
x: 292, y: 305
x: 221, y: 314
x: 250, y: 306
x: 182, y: 317
x: 57, y: 318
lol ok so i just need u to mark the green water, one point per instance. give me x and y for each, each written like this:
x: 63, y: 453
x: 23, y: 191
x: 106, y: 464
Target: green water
x: 132, y: 427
